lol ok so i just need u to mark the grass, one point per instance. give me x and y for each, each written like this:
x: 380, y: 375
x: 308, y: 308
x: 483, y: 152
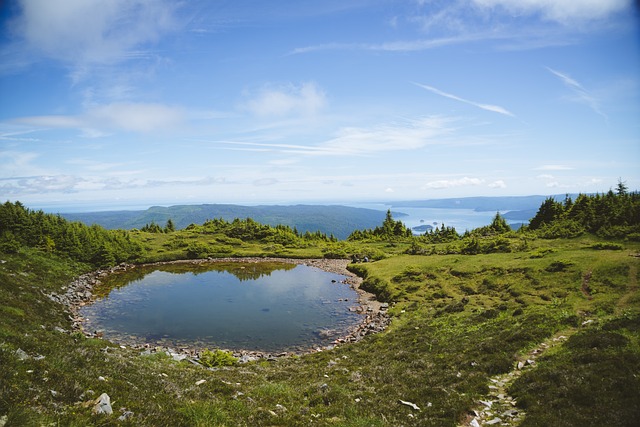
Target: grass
x: 457, y: 320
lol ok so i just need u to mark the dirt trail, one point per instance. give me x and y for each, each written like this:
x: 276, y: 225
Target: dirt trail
x: 498, y: 408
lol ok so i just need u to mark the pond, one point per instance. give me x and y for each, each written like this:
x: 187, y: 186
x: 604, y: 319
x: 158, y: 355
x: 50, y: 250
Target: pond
x: 261, y: 306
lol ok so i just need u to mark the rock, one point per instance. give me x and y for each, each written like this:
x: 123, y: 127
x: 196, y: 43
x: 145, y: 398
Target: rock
x: 496, y: 420
x: 22, y: 355
x: 199, y: 382
x: 413, y: 405
x: 510, y: 413
x: 246, y: 358
x: 103, y: 405
x: 474, y: 423
x: 125, y: 415
x: 488, y: 404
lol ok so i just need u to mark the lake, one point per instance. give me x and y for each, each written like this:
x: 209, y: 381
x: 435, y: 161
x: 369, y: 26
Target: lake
x: 461, y: 219
x: 262, y: 306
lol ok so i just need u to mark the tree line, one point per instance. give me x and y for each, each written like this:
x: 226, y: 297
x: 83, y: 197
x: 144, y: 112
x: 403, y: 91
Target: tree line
x: 23, y: 227
x: 609, y: 215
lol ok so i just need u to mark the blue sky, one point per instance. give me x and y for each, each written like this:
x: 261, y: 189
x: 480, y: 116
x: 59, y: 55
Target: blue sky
x: 113, y: 103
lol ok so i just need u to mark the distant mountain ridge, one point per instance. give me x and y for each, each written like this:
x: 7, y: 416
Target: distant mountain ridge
x: 330, y: 219
x: 338, y: 220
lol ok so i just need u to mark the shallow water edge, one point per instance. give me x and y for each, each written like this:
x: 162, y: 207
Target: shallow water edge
x: 80, y: 292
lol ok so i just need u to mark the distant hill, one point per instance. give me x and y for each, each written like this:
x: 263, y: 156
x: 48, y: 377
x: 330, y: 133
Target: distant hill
x: 330, y: 219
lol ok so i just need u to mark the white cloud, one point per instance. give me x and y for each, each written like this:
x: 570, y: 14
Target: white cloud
x: 582, y: 96
x: 498, y: 184
x: 18, y: 163
x: 134, y: 117
x: 137, y: 117
x: 63, y: 183
x: 357, y: 141
x: 409, y: 135
x: 462, y: 182
x: 553, y: 168
x: 306, y: 98
x: 92, y: 32
x: 563, y: 11
x: 487, y: 107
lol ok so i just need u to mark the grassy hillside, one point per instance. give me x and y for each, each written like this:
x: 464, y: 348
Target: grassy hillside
x: 461, y: 322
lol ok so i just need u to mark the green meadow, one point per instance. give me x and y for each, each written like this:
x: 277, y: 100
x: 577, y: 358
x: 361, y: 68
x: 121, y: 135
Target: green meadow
x: 464, y: 310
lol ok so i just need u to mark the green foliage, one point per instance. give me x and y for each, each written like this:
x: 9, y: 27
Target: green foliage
x: 498, y: 226
x: 441, y: 235
x: 607, y: 246
x: 152, y: 228
x: 197, y: 250
x: 389, y: 230
x: 610, y: 215
x: 217, y: 358
x: 561, y: 229
x: 461, y: 319
x: 22, y: 227
x: 592, y: 378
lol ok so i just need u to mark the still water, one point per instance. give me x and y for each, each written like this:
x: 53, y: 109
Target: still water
x: 262, y: 306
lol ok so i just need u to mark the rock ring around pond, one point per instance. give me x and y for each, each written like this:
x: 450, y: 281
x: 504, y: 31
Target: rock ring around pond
x: 80, y: 292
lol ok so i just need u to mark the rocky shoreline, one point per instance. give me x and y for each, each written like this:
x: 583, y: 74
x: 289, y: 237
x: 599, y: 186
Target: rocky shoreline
x: 375, y: 319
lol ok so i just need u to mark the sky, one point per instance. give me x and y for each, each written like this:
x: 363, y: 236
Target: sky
x: 106, y: 104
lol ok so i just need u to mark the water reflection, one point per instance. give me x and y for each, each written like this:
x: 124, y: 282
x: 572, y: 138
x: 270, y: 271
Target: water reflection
x: 266, y: 306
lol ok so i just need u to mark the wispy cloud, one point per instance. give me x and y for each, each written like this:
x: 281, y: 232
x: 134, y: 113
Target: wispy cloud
x: 66, y: 183
x: 96, y: 32
x: 581, y: 94
x: 487, y: 107
x: 553, y: 168
x: 461, y: 182
x: 393, y: 46
x: 358, y: 141
x: 306, y: 98
x: 100, y: 119
x: 563, y: 11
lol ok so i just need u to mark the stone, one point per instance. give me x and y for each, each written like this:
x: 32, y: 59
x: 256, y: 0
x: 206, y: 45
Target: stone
x: 412, y: 405
x: 486, y: 403
x: 510, y: 413
x: 103, y: 405
x: 22, y: 355
x: 496, y: 420
x: 125, y: 415
x: 199, y: 382
x: 474, y: 423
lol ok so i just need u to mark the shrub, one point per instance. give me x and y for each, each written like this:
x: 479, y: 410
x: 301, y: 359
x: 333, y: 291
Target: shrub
x: 197, y: 250
x: 607, y: 246
x: 212, y: 359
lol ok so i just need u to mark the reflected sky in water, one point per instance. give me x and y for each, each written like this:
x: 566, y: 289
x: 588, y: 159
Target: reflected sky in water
x: 280, y: 309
